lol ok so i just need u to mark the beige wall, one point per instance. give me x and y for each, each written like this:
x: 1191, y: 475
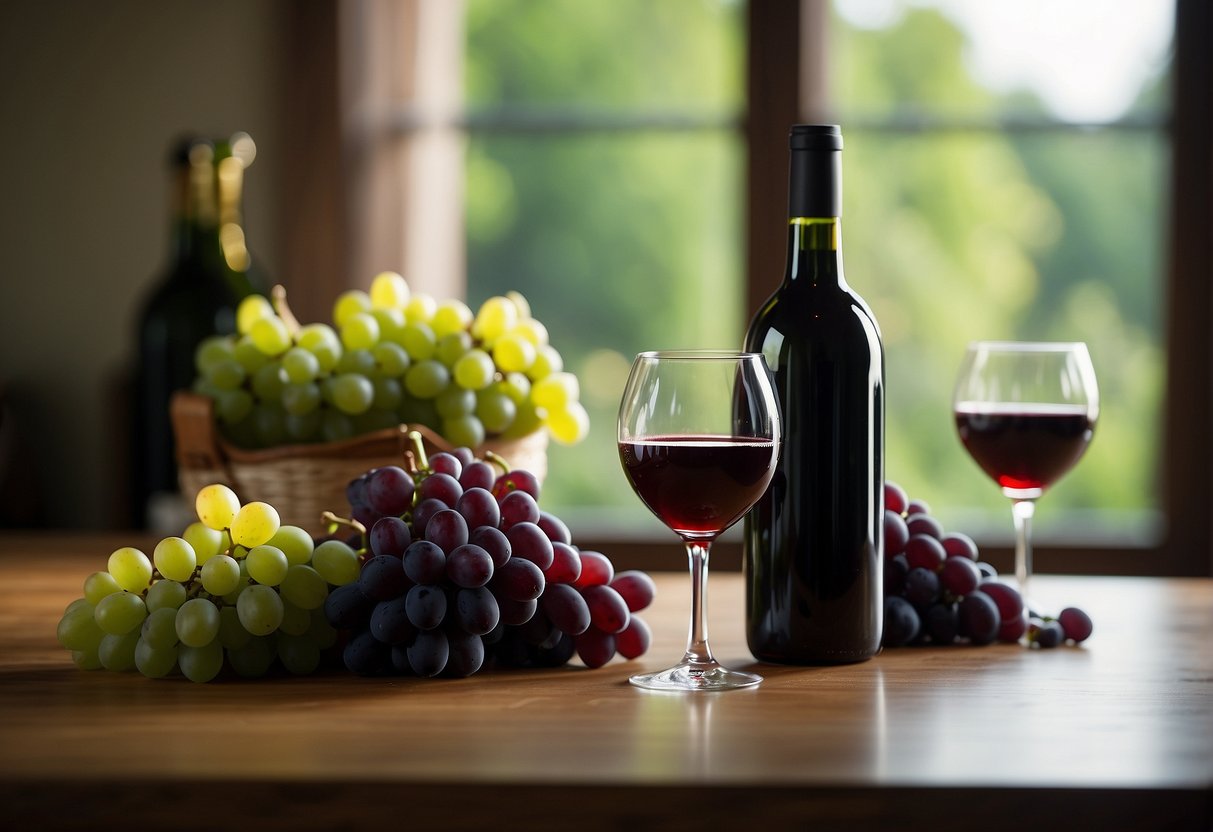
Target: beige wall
x: 91, y: 95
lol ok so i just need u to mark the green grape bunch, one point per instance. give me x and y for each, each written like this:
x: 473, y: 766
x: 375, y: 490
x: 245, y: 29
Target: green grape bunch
x: 237, y: 589
x: 390, y: 356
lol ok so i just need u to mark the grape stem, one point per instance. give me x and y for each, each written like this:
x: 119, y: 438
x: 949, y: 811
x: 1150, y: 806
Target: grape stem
x: 278, y: 296
x: 334, y: 522
x: 419, y: 462
x: 498, y: 460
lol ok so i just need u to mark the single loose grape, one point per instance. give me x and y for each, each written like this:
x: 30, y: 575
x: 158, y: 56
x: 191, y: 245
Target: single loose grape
x: 175, y: 559
x: 130, y: 568
x: 267, y: 565
x: 217, y: 506
x: 254, y: 524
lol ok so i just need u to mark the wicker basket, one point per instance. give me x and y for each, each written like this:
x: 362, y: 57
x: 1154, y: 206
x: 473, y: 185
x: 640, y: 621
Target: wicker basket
x: 303, y: 481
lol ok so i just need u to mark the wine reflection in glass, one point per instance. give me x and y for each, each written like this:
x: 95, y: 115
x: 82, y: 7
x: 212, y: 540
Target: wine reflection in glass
x: 1025, y: 412
x: 698, y: 439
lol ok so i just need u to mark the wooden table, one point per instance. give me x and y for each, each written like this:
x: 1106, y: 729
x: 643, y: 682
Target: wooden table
x: 1115, y: 735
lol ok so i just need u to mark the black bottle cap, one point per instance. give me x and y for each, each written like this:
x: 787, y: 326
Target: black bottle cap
x: 816, y: 137
x: 815, y: 181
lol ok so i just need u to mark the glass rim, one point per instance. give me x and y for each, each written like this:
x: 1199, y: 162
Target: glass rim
x: 697, y: 355
x: 1026, y: 346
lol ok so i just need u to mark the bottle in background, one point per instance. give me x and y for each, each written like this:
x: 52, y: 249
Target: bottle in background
x: 233, y: 156
x: 813, y: 543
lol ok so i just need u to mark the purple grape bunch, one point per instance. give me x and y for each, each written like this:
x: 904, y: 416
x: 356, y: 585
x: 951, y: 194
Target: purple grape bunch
x: 461, y: 569
x: 938, y: 590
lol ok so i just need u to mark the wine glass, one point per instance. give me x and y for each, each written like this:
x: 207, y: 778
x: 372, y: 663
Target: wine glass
x: 698, y: 439
x: 1025, y: 412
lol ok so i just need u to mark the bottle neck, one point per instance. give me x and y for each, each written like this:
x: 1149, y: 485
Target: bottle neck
x: 195, y: 232
x: 815, y: 250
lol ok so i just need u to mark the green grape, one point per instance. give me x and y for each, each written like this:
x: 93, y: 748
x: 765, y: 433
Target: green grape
x: 360, y: 331
x: 426, y: 379
x: 197, y: 622
x: 420, y: 308
x: 304, y: 587
x: 495, y: 409
x: 350, y: 302
x: 267, y: 565
x: 389, y: 291
x: 78, y: 629
x: 227, y: 374
x: 303, y: 428
x: 295, y: 620
x: 252, y: 309
x: 271, y: 336
x: 463, y: 431
x: 533, y: 331
x: 86, y: 659
x: 164, y: 595
x: 212, y: 350
x: 117, y: 653
x: 300, y: 399
x: 335, y: 426
x: 267, y: 382
x: 216, y: 505
x: 451, y: 348
x: 361, y: 362
x: 418, y: 341
x: 98, y: 585
x: 555, y: 391
x: 518, y: 387
x: 202, y: 388
x: 120, y: 613
x: 254, y: 524
x: 450, y: 317
x: 375, y: 419
x: 416, y: 411
x: 547, y: 362
x: 200, y: 664
x: 569, y: 424
x: 242, y: 434
x: 474, y: 370
x: 455, y: 401
x: 298, y: 654
x: 260, y: 609
x: 321, y: 631
x: 269, y: 424
x: 159, y: 629
x: 520, y: 303
x: 321, y: 341
x: 388, y: 393
x: 352, y: 393
x: 336, y: 562
x: 497, y: 316
x: 130, y: 568
x: 232, y: 406
x: 300, y: 366
x: 513, y: 353
x: 391, y: 360
x: 232, y: 634
x: 175, y: 559
x: 254, y: 659
x: 207, y: 542
x: 391, y: 324
x: 526, y: 422
x: 248, y: 356
x: 77, y: 604
x: 220, y: 575
x: 294, y: 542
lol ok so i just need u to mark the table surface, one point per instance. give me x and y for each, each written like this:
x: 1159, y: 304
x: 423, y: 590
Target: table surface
x: 1118, y: 732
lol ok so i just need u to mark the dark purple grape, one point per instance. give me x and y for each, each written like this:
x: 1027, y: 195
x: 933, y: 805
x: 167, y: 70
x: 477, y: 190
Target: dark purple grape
x: 1011, y: 630
x: 424, y: 562
x: 400, y: 659
x: 516, y: 480
x: 917, y: 507
x: 389, y: 490
x: 1076, y: 624
x: 422, y: 513
x: 518, y: 507
x: 346, y: 608
x: 895, y: 571
x: 636, y: 588
x: 494, y: 542
x: 1048, y: 633
x: 428, y: 653
x: 476, y: 610
x: 566, y: 565
x: 896, y: 534
x: 390, y: 536
x: 925, y: 551
x: 465, y: 654
x: 921, y: 587
x: 987, y: 570
x: 445, y: 463
x: 516, y: 613
x: 1007, y: 597
x: 901, y: 622
x: 539, y: 631
x: 365, y: 655
x: 958, y: 544
x: 426, y: 606
x: 943, y: 622
x: 596, y: 569
x: 464, y: 454
x: 479, y: 508
x: 558, y: 654
x: 469, y: 566
x: 608, y: 611
x: 390, y: 622
x: 555, y: 528
x: 519, y: 580
x: 634, y: 640
x: 895, y: 499
x: 565, y: 608
x: 365, y: 515
x: 594, y: 647
x: 497, y: 633
x: 448, y: 530
x: 440, y: 487
x: 924, y: 524
x: 959, y: 576
x: 382, y: 578
x: 528, y: 541
x: 355, y: 491
x: 478, y: 475
x: 979, y: 618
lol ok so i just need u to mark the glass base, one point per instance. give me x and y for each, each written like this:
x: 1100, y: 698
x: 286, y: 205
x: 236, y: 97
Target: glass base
x: 697, y: 676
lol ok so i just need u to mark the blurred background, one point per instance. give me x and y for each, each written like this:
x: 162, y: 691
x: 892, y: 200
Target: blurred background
x: 1008, y: 173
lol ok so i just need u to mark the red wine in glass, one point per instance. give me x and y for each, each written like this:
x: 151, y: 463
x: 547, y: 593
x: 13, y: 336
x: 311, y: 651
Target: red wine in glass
x: 1025, y: 447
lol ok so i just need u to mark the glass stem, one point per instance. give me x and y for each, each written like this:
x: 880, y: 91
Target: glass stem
x: 698, y: 651
x: 1022, y: 511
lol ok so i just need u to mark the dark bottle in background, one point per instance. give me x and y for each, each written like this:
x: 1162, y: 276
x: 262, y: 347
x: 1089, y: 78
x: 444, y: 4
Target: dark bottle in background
x: 196, y: 297
x: 233, y: 156
x: 813, y: 542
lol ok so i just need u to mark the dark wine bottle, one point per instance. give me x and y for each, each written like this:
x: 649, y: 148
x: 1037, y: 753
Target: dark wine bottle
x: 196, y: 298
x: 233, y: 156
x: 813, y: 542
